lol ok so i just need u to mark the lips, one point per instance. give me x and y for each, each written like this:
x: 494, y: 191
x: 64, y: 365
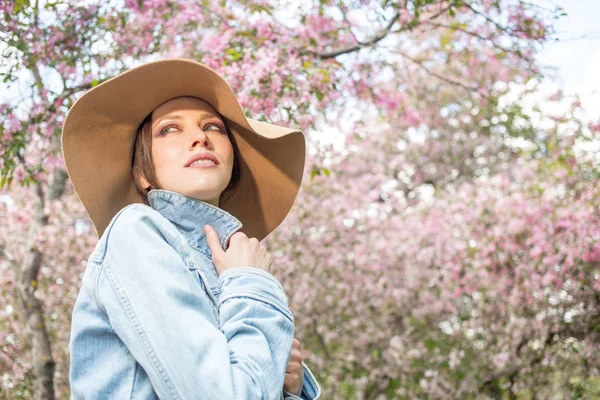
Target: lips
x: 201, y: 156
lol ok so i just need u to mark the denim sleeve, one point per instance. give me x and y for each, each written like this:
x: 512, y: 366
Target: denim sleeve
x: 164, y: 318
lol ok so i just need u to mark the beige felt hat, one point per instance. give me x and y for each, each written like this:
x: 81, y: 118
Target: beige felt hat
x: 99, y: 131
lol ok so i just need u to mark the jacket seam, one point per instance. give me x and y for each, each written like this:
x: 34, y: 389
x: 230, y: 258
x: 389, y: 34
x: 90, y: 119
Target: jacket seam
x: 112, y: 224
x: 241, y: 271
x: 139, y: 331
x: 248, y: 295
x: 97, y: 290
x: 290, y: 396
x: 135, y: 373
x: 206, y: 288
x: 206, y: 253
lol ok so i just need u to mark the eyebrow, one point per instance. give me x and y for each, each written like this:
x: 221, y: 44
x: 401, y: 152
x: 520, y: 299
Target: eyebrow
x: 178, y: 117
x: 204, y: 115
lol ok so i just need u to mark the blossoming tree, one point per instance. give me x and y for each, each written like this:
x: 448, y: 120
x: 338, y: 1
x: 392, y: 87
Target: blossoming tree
x: 429, y: 257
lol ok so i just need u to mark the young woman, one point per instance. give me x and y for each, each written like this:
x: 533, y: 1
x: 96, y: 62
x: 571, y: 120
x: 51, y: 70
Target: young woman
x: 177, y: 300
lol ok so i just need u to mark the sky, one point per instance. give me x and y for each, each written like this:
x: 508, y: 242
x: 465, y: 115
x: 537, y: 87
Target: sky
x: 577, y: 54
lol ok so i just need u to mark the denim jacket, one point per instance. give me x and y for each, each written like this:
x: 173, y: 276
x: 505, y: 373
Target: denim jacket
x: 154, y: 320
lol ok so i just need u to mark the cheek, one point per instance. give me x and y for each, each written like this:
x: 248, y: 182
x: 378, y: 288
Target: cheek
x: 227, y: 151
x: 165, y: 157
x: 230, y: 157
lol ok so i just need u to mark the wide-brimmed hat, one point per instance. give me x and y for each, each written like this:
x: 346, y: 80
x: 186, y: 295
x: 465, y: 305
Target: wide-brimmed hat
x: 99, y: 131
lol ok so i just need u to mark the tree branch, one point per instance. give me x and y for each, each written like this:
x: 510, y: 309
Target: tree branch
x: 321, y: 340
x: 58, y: 183
x: 488, y: 19
x: 474, y: 34
x: 422, y: 65
x: 380, y: 36
x: 344, y: 11
x: 50, y: 106
x: 377, y: 38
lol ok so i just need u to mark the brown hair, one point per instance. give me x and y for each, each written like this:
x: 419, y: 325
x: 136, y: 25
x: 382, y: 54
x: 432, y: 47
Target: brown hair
x: 142, y: 164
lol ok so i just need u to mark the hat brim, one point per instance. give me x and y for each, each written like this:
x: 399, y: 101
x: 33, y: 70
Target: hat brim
x: 99, y: 131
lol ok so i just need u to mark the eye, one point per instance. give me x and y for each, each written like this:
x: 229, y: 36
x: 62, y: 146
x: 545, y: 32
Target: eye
x: 219, y: 127
x: 167, y: 129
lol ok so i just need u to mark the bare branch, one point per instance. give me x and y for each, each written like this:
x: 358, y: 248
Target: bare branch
x: 51, y: 108
x: 474, y: 34
x: 39, y: 83
x: 487, y: 18
x: 443, y: 78
x: 345, y: 16
x: 57, y: 184
x: 6, y: 255
x: 381, y: 35
x: 321, y: 340
x: 376, y: 39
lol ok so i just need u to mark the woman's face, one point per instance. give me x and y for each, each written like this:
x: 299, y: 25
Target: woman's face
x: 183, y: 130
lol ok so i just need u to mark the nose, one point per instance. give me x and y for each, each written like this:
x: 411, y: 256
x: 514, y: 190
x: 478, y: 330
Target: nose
x: 200, y: 138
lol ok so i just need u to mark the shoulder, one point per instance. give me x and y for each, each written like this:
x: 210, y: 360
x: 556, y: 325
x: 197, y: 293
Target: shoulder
x: 135, y: 216
x: 134, y: 226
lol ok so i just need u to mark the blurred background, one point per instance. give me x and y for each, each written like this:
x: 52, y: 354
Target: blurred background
x: 446, y: 240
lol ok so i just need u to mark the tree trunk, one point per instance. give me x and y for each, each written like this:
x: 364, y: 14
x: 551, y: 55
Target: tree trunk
x: 42, y: 361
x: 31, y: 308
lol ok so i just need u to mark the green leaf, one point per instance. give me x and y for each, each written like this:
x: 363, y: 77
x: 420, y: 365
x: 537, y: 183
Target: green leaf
x: 430, y: 344
x: 314, y: 173
x: 319, y: 94
x: 376, y: 353
x: 95, y: 82
x: 319, y: 171
x: 235, y: 55
x: 392, y: 386
x: 20, y: 4
x: 445, y: 40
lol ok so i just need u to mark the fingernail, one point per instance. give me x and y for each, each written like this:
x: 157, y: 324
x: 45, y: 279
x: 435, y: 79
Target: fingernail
x: 206, y: 228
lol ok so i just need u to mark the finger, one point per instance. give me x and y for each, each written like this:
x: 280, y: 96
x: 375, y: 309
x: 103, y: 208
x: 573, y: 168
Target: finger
x: 296, y: 344
x: 238, y: 237
x: 289, y: 378
x: 293, y: 368
x: 213, y: 240
x: 295, y: 356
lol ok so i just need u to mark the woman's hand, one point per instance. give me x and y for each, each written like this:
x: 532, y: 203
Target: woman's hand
x: 294, y: 373
x: 242, y: 252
